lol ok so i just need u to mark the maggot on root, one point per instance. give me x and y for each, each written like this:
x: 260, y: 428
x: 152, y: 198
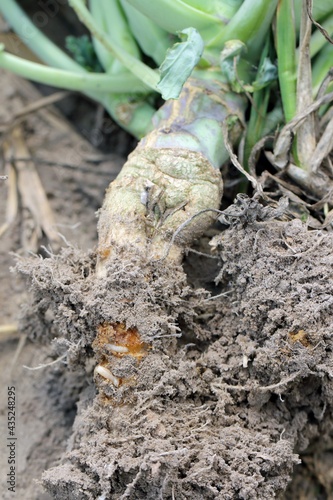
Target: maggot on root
x: 169, y: 179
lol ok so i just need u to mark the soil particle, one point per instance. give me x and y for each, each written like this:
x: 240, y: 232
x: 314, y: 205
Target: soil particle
x: 45, y: 408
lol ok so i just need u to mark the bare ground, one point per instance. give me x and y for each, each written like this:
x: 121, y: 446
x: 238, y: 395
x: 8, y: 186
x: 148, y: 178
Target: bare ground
x: 45, y: 411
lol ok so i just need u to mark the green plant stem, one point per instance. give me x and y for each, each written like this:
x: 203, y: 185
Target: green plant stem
x: 257, y: 121
x: 273, y: 120
x: 31, y: 36
x: 223, y: 9
x: 323, y: 62
x: 153, y: 40
x: 135, y: 66
x: 258, y: 112
x: 134, y: 116
x: 133, y: 113
x: 177, y: 15
x: 285, y: 47
x: 110, y: 19
x: 77, y: 76
x: 84, y: 82
x: 252, y: 18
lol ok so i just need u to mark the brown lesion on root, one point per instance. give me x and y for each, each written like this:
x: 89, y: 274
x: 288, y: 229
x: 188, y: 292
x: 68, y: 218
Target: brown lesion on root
x: 115, y: 340
x: 116, y: 334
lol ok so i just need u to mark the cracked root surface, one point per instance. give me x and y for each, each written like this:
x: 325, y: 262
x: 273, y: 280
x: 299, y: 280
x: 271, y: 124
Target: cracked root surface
x: 222, y: 411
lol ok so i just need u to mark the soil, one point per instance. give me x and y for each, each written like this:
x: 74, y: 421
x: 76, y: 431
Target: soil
x: 45, y: 412
x: 225, y: 391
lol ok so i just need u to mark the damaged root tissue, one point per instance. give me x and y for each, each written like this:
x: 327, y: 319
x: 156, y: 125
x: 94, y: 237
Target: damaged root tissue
x: 114, y: 339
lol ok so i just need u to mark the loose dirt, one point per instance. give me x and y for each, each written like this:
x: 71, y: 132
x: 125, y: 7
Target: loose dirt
x: 230, y: 388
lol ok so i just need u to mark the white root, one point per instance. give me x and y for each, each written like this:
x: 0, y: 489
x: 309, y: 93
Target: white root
x: 105, y: 373
x: 117, y: 348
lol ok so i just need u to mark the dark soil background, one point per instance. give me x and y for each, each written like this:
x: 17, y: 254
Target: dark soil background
x: 237, y: 407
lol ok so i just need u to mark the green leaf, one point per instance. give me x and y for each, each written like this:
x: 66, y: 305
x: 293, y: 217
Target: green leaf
x: 83, y: 52
x: 236, y: 70
x: 229, y: 63
x: 267, y: 73
x: 179, y: 63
